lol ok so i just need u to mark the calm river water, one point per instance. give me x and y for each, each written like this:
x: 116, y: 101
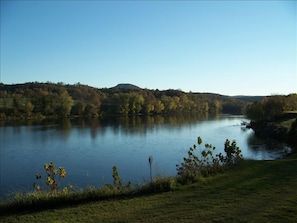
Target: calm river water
x: 88, y: 149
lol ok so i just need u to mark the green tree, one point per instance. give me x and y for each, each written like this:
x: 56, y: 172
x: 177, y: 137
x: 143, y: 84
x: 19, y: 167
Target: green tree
x: 18, y: 105
x: 255, y: 111
x: 215, y: 106
x: 291, y: 102
x: 170, y: 103
x: 187, y: 105
x: 91, y: 110
x: 63, y: 104
x: 29, y: 107
x: 136, y: 102
x: 95, y: 100
x: 78, y: 108
x: 273, y: 106
x: 205, y: 107
x: 47, y: 104
x: 148, y: 108
x: 158, y: 107
x: 123, y: 104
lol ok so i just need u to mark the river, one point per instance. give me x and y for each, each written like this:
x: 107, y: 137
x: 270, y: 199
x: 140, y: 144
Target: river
x: 88, y: 149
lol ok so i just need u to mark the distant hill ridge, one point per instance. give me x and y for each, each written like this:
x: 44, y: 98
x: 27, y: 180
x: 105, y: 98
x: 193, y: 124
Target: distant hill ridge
x: 121, y: 86
x: 239, y: 97
x: 127, y: 86
x: 249, y: 98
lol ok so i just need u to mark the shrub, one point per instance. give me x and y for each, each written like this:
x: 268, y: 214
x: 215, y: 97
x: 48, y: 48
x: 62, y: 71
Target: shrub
x: 51, y: 180
x: 233, y: 153
x: 194, y: 167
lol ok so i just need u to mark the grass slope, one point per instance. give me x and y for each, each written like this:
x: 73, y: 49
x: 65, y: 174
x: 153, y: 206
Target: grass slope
x: 255, y: 191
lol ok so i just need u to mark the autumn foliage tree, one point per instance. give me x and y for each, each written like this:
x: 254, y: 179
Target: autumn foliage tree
x: 271, y: 107
x: 35, y: 99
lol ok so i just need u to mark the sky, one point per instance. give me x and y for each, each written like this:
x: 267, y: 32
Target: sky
x: 225, y: 47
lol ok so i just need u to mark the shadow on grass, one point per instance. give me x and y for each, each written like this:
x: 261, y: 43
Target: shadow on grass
x: 46, y: 201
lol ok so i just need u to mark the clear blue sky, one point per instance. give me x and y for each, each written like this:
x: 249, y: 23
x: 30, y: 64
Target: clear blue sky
x: 226, y: 47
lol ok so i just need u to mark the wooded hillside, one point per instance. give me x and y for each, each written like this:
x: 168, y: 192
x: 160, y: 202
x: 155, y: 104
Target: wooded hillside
x: 33, y: 100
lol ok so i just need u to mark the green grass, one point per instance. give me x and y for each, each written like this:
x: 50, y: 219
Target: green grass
x: 288, y: 118
x: 291, y: 112
x: 287, y: 124
x: 255, y: 191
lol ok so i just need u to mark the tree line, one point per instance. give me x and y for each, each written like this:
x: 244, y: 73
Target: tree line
x: 33, y: 100
x: 266, y: 115
x: 272, y: 107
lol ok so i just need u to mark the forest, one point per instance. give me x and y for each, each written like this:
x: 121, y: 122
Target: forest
x: 273, y: 107
x: 38, y: 100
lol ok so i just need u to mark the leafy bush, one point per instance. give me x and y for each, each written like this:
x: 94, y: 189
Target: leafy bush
x: 233, y: 153
x: 51, y: 180
x: 194, y: 167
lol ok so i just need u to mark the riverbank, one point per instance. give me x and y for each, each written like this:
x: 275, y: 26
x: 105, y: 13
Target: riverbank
x: 279, y: 128
x: 254, y: 191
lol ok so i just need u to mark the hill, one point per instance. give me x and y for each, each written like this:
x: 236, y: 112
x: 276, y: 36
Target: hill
x: 249, y: 98
x: 127, y: 86
x: 35, y: 100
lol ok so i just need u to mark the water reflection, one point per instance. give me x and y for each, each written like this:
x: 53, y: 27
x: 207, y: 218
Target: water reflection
x: 88, y: 148
x: 138, y: 122
x: 267, y: 148
x: 142, y: 124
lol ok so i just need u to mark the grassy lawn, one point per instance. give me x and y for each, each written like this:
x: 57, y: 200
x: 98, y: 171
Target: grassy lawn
x: 287, y: 124
x: 255, y: 191
x: 289, y: 118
